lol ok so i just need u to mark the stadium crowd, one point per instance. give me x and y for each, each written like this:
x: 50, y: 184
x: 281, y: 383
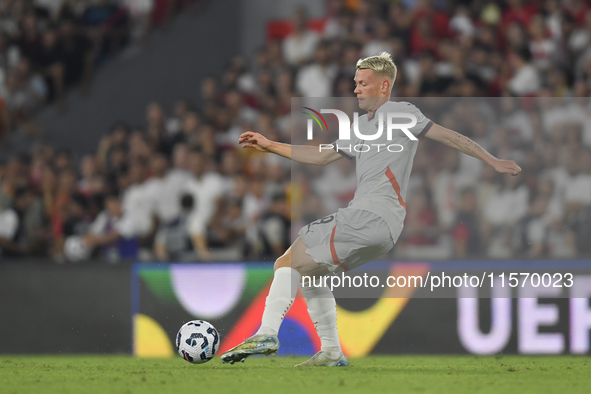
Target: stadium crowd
x: 179, y: 188
x: 48, y: 46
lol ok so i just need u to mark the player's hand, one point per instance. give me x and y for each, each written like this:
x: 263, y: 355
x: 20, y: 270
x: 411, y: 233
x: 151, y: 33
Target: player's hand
x: 507, y: 167
x: 254, y: 140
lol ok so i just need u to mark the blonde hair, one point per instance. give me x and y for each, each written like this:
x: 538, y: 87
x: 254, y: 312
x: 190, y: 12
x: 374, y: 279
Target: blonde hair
x: 382, y: 64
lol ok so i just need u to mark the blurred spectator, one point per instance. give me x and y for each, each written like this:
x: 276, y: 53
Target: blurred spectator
x: 31, y: 235
x: 88, y: 172
x: 462, y: 24
x: 504, y: 210
x: 60, y: 207
x: 174, y: 182
x: 336, y: 186
x: 446, y: 185
x: 430, y: 82
x: 206, y: 188
x: 112, y: 150
x: 49, y: 62
x: 577, y: 188
x: 255, y: 201
x: 107, y: 23
x: 9, y: 224
x: 254, y: 204
x: 542, y: 47
x: 138, y: 200
x: 189, y: 130
x: 139, y: 11
x: 525, y: 79
x: 63, y: 160
x: 340, y: 24
x: 299, y: 47
x: 316, y: 79
x: 228, y: 228
x: 581, y: 37
x: 156, y: 126
x: 173, y: 240
x: 77, y: 55
x: 155, y: 186
x: 466, y: 230
x: 380, y: 42
x: 535, y: 226
x: 23, y: 91
x: 365, y: 18
x: 273, y: 226
x: 174, y: 123
x: 113, y: 232
x: 421, y: 221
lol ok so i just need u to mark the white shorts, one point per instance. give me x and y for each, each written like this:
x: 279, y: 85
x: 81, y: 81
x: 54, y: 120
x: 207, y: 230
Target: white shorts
x: 347, y: 239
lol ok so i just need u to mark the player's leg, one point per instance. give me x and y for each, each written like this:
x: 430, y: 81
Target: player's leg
x: 322, y: 308
x: 321, y: 304
x: 289, y: 269
x: 355, y: 238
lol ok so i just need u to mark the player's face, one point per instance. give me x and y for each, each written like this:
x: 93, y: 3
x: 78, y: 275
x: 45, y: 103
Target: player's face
x: 369, y: 86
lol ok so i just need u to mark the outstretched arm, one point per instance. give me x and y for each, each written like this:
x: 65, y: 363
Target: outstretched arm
x: 469, y: 147
x: 302, y: 154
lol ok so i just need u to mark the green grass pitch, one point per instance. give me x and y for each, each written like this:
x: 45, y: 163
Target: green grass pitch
x: 377, y: 374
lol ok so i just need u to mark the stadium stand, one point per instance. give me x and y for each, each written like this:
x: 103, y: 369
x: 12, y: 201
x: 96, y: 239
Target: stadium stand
x: 179, y: 187
x: 47, y: 47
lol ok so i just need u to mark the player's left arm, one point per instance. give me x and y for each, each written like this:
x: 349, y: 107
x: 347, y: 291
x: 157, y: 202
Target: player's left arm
x: 466, y: 145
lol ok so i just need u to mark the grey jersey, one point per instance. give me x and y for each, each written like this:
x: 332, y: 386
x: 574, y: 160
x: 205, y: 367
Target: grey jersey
x: 383, y: 166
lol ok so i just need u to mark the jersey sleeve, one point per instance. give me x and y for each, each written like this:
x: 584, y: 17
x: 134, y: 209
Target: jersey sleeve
x: 126, y: 227
x: 423, y: 123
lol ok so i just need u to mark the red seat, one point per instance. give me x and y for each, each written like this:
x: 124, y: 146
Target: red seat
x: 278, y: 29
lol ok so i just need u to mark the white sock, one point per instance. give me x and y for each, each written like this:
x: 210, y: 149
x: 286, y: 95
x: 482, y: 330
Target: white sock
x: 281, y: 296
x: 322, y: 308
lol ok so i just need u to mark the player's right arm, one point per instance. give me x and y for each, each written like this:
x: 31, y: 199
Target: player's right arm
x: 299, y: 153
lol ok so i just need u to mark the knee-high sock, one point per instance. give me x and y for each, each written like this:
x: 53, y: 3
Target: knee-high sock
x: 322, y: 308
x: 281, y: 296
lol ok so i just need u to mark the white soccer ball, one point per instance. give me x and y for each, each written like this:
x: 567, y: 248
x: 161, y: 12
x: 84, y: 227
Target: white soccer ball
x: 197, y: 341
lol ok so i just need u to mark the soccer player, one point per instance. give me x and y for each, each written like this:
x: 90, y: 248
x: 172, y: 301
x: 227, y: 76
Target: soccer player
x: 366, y: 229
